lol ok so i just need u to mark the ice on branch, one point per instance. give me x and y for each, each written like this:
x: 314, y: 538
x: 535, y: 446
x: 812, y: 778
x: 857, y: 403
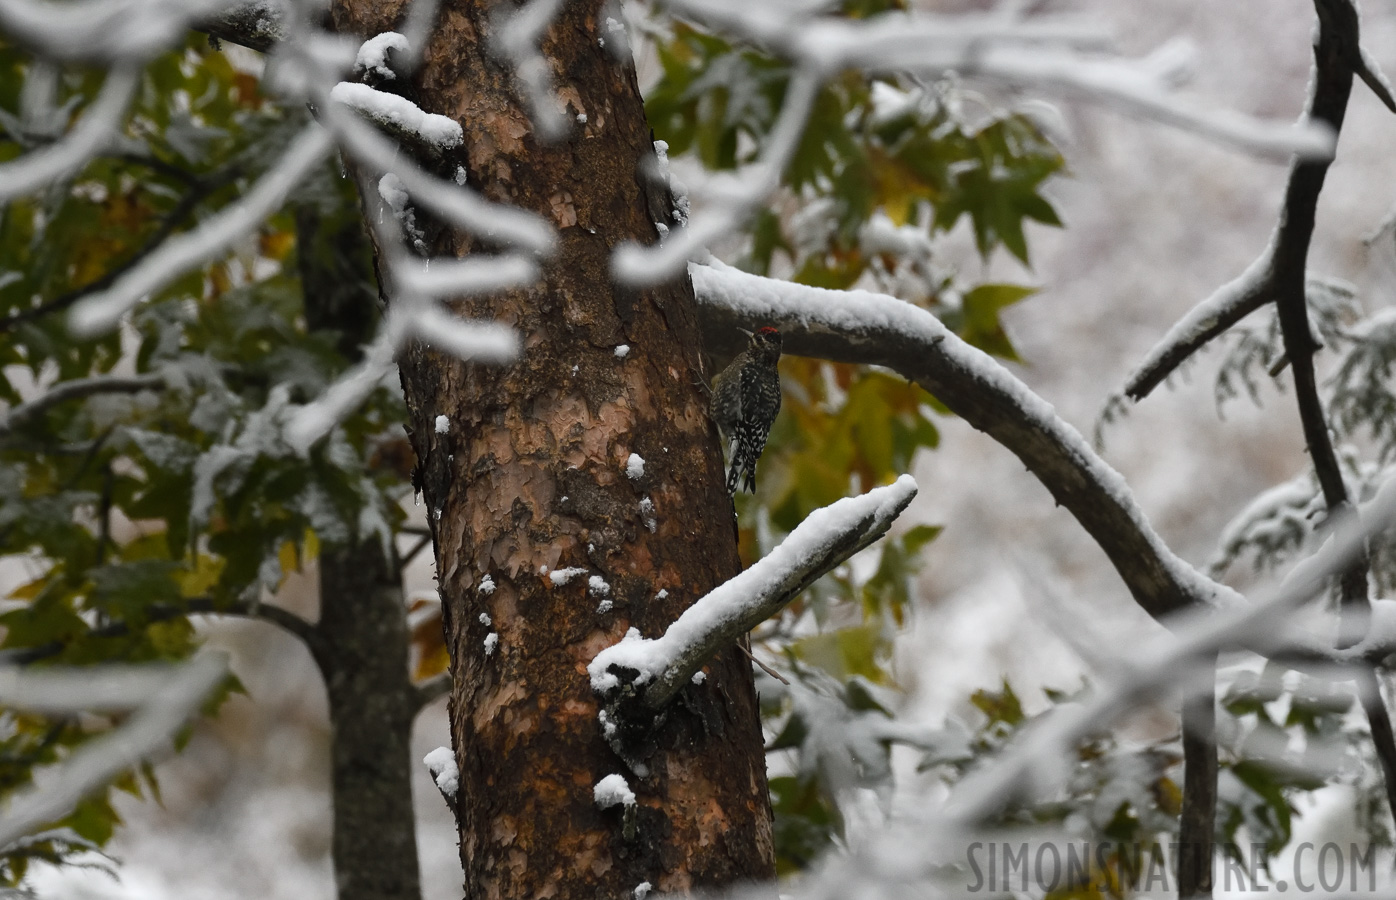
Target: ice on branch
x: 441, y: 763
x: 613, y: 790
x: 374, y: 54
x: 399, y: 115
x: 828, y: 536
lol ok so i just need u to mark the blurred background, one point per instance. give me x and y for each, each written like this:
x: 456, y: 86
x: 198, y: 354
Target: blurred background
x: 1155, y: 220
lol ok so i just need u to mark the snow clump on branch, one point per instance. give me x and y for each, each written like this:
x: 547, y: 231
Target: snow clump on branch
x: 399, y: 114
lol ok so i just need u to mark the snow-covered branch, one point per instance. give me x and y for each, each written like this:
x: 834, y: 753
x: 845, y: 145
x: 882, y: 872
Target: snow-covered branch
x: 1042, y: 56
x: 163, y: 710
x: 518, y: 42
x: 259, y: 25
x: 735, y: 198
x: 76, y: 389
x: 1280, y: 270
x: 452, y: 202
x: 659, y: 667
x: 1228, y: 305
x: 875, y: 329
x: 103, y: 31
x: 1172, y: 664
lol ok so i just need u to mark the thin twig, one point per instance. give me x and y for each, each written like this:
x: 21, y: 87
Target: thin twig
x: 762, y: 666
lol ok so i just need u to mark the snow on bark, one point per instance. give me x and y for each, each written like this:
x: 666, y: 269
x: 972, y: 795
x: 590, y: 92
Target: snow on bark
x: 560, y: 577
x: 635, y: 467
x: 373, y: 55
x: 441, y: 763
x: 823, y: 540
x: 613, y: 790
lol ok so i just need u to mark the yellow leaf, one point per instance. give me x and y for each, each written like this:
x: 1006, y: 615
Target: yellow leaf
x: 289, y: 557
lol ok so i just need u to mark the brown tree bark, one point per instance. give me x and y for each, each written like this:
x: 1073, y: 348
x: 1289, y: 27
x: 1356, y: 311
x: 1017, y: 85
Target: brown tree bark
x: 530, y: 478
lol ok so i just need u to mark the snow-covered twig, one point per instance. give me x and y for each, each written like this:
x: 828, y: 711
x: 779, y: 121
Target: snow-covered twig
x: 76, y: 389
x: 96, y: 764
x: 100, y: 312
x: 1228, y: 305
x: 483, y: 342
x: 71, y: 690
x: 443, y: 278
x: 99, y: 125
x: 1039, y: 56
x: 875, y: 329
x: 827, y: 537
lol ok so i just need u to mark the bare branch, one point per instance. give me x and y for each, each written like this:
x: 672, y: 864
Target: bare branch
x: 1197, y: 821
x: 197, y: 193
x: 283, y: 618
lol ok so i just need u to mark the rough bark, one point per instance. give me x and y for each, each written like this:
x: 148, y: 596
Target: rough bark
x: 530, y: 478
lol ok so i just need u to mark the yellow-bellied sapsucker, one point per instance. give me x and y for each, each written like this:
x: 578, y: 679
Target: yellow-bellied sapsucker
x: 745, y: 401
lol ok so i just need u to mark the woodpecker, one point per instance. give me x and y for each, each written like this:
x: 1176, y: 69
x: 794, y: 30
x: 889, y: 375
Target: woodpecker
x: 745, y: 401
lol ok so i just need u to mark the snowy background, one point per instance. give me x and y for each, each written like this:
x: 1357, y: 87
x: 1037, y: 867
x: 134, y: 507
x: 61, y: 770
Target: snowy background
x: 1155, y: 220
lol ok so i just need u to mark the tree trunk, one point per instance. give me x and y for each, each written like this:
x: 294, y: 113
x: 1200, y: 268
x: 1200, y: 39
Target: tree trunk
x: 372, y: 706
x: 363, y: 623
x: 530, y: 478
